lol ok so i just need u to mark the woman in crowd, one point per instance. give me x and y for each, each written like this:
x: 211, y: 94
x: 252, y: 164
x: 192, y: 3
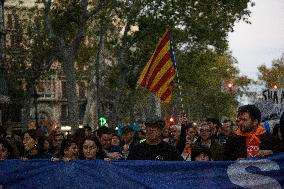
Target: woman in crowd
x: 115, y: 140
x: 6, y: 150
x: 69, y: 150
x: 33, y: 143
x: 91, y: 149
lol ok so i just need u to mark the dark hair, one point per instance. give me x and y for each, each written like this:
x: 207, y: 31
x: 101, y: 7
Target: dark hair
x: 127, y: 129
x: 214, y: 121
x: 200, y: 149
x: 8, y: 146
x: 188, y: 126
x: 36, y: 135
x: 100, y: 153
x: 282, y: 120
x: 253, y: 111
x: 65, y: 145
x: 276, y: 128
x: 78, y: 136
x: 155, y: 123
x: 87, y: 127
x: 3, y: 132
x: 104, y: 130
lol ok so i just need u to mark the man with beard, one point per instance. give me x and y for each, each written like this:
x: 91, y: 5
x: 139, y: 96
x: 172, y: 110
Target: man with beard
x: 250, y: 139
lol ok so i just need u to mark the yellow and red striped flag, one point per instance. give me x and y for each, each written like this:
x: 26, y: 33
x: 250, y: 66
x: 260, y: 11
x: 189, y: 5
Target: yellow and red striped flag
x: 159, y: 73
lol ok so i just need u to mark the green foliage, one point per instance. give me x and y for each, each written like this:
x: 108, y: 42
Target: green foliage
x: 29, y: 52
x: 203, y: 76
x: 271, y: 76
x: 196, y: 25
x: 199, y: 28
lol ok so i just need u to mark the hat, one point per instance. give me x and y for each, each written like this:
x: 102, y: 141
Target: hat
x: 127, y: 129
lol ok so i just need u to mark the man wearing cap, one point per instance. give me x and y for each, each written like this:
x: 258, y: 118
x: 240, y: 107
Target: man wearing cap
x: 153, y: 148
x: 250, y: 139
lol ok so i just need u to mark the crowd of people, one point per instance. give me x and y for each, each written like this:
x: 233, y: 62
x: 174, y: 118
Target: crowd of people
x: 207, y: 140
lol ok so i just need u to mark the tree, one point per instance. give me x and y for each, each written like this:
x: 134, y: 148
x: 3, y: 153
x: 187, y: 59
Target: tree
x: 271, y: 76
x: 28, y: 56
x: 195, y: 26
x: 66, y: 23
x: 203, y: 76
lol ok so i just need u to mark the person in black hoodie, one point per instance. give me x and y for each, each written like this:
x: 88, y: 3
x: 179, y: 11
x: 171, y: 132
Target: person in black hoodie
x: 154, y: 148
x: 278, y: 132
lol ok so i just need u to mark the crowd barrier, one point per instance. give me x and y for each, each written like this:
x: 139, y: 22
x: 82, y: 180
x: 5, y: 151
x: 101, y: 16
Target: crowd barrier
x: 254, y: 173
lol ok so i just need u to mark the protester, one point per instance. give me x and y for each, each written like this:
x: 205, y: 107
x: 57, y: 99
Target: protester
x: 69, y: 150
x: 105, y: 136
x: 278, y: 132
x: 115, y: 140
x: 128, y: 141
x: 226, y: 131
x: 91, y: 149
x: 190, y: 139
x: 33, y: 146
x: 200, y: 153
x: 215, y: 125
x: 206, y: 139
x: 250, y: 139
x: 6, y: 150
x: 153, y: 148
x: 56, y: 139
x: 3, y: 133
x: 46, y: 146
x: 88, y: 131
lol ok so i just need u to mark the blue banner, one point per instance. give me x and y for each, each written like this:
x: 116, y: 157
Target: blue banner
x: 253, y: 173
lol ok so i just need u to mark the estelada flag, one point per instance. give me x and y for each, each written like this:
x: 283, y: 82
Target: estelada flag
x: 159, y: 73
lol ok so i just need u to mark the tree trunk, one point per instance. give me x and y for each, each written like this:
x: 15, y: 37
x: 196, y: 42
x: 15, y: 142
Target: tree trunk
x: 70, y: 74
x: 26, y: 113
x: 2, y: 31
x: 95, y: 82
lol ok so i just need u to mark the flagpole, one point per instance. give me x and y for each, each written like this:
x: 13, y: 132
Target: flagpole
x: 158, y: 111
x: 179, y: 88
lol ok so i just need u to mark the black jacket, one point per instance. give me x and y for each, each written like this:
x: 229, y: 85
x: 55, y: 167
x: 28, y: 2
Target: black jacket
x: 162, y: 151
x: 236, y: 146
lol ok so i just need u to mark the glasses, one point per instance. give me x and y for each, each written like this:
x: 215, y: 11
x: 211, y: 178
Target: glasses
x: 205, y: 130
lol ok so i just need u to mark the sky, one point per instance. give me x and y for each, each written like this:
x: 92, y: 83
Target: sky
x: 261, y: 41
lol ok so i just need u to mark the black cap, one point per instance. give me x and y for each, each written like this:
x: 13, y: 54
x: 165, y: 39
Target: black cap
x: 155, y: 122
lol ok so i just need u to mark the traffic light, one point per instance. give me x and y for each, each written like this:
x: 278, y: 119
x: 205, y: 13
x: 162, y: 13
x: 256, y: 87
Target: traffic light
x: 275, y: 87
x: 102, y: 121
x: 171, y: 120
x: 230, y: 86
